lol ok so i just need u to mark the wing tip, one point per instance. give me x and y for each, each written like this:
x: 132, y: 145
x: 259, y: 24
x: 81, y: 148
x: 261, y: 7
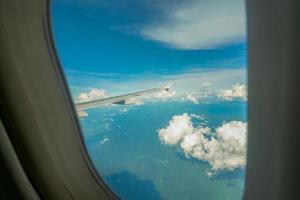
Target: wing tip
x: 168, y: 87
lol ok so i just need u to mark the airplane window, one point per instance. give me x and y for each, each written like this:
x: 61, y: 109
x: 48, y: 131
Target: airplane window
x: 160, y: 88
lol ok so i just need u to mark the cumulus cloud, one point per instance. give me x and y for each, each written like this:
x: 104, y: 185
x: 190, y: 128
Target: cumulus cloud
x: 237, y: 91
x: 92, y: 94
x: 165, y: 94
x: 178, y: 127
x: 191, y: 98
x: 199, y: 24
x: 225, y: 149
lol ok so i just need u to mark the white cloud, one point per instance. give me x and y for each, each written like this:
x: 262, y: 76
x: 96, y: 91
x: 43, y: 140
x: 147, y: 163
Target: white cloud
x: 223, y: 150
x: 165, y: 94
x: 178, y: 127
x: 233, y: 130
x: 92, y: 94
x: 104, y: 141
x: 227, y: 150
x: 237, y: 91
x: 200, y: 117
x: 191, y: 98
x: 199, y: 24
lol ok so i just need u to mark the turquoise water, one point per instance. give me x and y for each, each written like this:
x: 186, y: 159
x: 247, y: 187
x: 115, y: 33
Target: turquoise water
x: 123, y: 144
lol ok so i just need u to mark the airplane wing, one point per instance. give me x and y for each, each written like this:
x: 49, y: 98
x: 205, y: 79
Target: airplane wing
x: 121, y: 100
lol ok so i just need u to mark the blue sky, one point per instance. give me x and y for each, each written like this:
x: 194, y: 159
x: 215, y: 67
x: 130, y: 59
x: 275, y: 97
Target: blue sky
x: 129, y: 40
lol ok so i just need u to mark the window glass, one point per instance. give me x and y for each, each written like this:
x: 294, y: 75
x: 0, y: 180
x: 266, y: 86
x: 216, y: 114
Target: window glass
x: 160, y: 89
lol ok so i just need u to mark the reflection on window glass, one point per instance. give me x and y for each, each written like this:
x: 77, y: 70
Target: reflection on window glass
x: 161, y: 93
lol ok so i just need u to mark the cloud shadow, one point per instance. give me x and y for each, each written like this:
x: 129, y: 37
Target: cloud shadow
x: 128, y: 186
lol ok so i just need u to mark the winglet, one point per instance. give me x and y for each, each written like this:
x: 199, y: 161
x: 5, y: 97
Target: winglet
x: 168, y: 87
